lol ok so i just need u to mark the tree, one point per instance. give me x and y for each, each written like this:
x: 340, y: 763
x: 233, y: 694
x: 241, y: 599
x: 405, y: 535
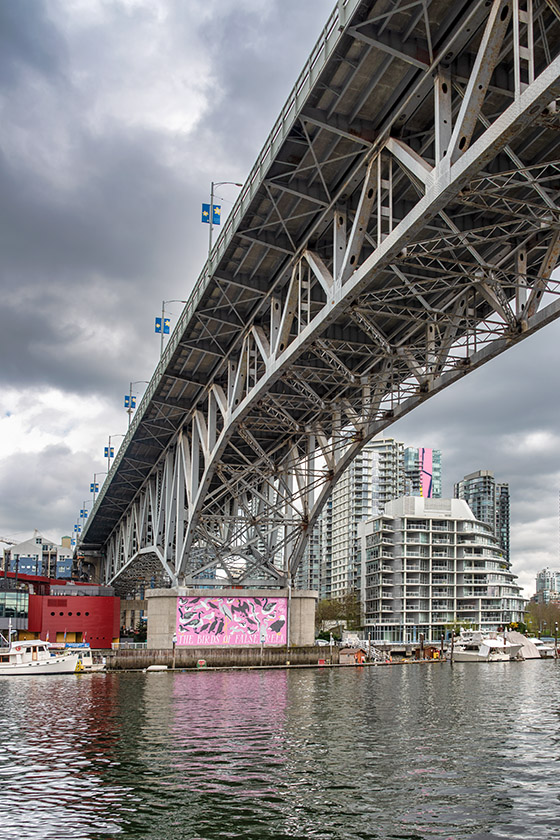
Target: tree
x: 327, y: 610
x: 456, y: 627
x: 542, y: 618
x: 519, y: 626
x: 352, y: 609
x: 346, y: 610
x: 141, y: 631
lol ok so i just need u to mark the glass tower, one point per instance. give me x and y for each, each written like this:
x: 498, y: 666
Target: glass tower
x: 489, y: 501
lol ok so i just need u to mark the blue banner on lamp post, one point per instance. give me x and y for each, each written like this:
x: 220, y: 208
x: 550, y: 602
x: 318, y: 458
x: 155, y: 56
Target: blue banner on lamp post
x: 216, y: 214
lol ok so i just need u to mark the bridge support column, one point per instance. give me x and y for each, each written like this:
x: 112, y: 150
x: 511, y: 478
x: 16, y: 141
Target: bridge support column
x: 220, y: 617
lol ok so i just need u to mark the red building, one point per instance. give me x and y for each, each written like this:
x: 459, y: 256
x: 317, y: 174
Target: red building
x: 63, y: 611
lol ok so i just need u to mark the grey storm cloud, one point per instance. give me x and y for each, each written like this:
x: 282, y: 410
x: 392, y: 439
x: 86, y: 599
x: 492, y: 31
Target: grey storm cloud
x: 28, y: 39
x: 36, y: 493
x: 115, y: 118
x: 109, y: 204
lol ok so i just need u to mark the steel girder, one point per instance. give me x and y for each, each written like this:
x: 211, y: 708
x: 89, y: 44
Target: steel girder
x: 401, y: 230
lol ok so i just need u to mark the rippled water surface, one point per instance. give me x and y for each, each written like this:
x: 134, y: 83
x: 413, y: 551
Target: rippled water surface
x: 406, y: 751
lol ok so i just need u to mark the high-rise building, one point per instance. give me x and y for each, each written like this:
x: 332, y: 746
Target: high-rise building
x: 375, y: 476
x: 382, y: 471
x: 428, y: 564
x: 502, y: 517
x: 308, y: 575
x: 325, y: 589
x: 489, y: 501
x: 422, y: 468
x: 548, y: 586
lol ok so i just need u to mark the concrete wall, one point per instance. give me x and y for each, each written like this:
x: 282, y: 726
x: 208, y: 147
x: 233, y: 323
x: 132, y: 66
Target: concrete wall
x: 162, y: 609
x: 221, y: 657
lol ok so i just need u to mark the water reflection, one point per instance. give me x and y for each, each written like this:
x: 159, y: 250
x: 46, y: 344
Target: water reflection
x: 413, y: 752
x: 56, y: 739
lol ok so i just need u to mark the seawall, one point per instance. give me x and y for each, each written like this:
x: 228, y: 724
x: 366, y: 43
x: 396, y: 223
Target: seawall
x: 215, y: 657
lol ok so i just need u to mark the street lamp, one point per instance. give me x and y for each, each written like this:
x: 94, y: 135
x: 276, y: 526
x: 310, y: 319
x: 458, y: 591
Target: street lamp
x: 83, y: 514
x: 130, y: 398
x: 77, y: 532
x: 109, y: 452
x: 163, y: 324
x: 214, y: 210
x: 94, y: 486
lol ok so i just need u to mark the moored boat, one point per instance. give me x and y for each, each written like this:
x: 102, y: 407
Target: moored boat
x: 476, y: 646
x: 466, y: 647
x: 34, y: 656
x: 546, y: 650
x: 86, y: 660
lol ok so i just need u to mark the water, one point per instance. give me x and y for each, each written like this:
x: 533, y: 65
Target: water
x: 407, y: 751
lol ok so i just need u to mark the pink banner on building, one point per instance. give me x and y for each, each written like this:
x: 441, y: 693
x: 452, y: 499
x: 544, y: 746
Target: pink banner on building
x: 426, y: 472
x: 231, y: 621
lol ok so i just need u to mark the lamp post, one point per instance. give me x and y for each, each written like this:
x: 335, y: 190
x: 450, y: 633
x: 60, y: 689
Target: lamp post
x: 110, y: 452
x: 94, y: 486
x: 211, y: 217
x: 130, y: 398
x: 163, y: 325
x: 77, y: 532
x: 83, y: 514
x: 556, y: 640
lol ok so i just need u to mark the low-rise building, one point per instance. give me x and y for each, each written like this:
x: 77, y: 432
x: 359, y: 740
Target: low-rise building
x: 39, y: 556
x: 429, y: 565
x: 59, y: 611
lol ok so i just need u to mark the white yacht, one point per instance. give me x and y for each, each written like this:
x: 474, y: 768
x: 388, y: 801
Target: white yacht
x: 86, y: 659
x: 476, y: 646
x: 34, y: 656
x: 545, y: 649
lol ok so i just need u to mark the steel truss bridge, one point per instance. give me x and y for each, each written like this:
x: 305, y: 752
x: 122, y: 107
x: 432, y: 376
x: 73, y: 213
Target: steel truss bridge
x: 398, y: 230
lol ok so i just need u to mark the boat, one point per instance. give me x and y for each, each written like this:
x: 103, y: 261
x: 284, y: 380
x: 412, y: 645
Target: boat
x: 501, y: 649
x: 34, y: 656
x: 476, y: 646
x: 546, y: 650
x: 86, y: 660
x: 466, y: 648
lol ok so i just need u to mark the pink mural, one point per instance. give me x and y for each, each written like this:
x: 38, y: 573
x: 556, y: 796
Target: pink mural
x: 231, y: 621
x: 426, y: 471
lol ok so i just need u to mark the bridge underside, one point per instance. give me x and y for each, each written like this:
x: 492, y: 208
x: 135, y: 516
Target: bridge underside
x: 400, y: 229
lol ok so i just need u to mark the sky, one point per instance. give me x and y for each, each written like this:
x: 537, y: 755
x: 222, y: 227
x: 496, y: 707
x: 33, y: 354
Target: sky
x: 116, y: 116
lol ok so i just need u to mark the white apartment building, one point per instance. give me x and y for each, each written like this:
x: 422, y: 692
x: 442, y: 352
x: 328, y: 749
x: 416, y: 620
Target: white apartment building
x: 428, y: 564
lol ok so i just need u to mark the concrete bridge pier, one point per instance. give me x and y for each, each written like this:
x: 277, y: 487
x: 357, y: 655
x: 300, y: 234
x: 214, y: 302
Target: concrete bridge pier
x: 298, y: 606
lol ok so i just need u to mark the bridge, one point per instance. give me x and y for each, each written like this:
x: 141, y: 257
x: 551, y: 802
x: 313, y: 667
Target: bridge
x: 399, y: 229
